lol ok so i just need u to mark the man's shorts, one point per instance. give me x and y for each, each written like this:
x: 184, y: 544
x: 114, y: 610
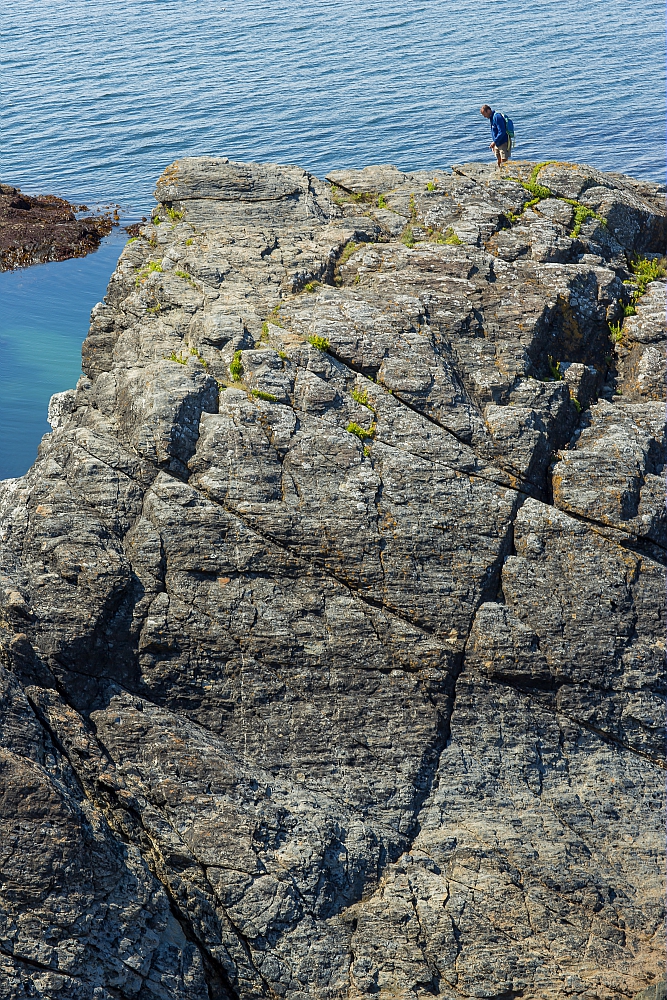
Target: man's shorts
x: 505, y: 152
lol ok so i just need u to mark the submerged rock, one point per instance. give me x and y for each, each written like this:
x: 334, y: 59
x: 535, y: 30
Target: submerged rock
x: 332, y: 610
x: 34, y: 230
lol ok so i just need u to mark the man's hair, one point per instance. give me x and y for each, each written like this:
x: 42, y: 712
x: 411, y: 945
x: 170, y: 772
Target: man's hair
x: 485, y: 107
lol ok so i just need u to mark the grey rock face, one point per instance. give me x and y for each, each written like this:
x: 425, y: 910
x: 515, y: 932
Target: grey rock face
x: 332, y: 611
x: 642, y: 348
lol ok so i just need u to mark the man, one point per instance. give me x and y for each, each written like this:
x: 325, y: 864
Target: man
x: 501, y: 144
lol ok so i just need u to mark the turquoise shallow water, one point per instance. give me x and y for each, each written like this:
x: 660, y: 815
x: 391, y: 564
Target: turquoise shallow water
x: 100, y: 96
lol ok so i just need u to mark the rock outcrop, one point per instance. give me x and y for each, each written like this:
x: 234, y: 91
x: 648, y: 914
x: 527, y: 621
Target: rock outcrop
x: 332, y: 610
x: 37, y: 229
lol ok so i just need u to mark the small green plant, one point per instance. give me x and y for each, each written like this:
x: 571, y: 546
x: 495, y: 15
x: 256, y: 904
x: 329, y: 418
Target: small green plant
x: 320, y: 343
x: 367, y: 451
x: 337, y: 194
x: 645, y: 271
x: 274, y: 317
x: 360, y: 397
x: 151, y: 267
x: 347, y: 252
x: 538, y: 191
x: 236, y: 366
x: 189, y: 243
x: 432, y: 185
x: 185, y: 276
x: 581, y: 214
x: 222, y: 387
x: 413, y: 208
x: 362, y: 196
x: 174, y: 215
x: 407, y: 238
x: 342, y: 197
x: 195, y: 353
x: 281, y: 354
x: 360, y: 432
x: 616, y: 332
x: 260, y: 394
x: 630, y: 309
x: 451, y: 238
x: 132, y: 240
x: 156, y: 220
x: 154, y: 309
x: 177, y: 358
x: 554, y: 368
x: 312, y: 286
x: 382, y: 201
x: 576, y: 404
x: 265, y: 332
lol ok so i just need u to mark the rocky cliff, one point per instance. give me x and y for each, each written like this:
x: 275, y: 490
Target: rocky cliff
x: 332, y: 609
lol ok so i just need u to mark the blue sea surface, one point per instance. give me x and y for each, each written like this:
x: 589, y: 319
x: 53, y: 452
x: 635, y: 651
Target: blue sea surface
x: 100, y: 96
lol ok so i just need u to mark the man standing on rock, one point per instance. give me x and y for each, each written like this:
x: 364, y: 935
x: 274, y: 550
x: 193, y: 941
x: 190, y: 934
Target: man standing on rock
x: 501, y: 141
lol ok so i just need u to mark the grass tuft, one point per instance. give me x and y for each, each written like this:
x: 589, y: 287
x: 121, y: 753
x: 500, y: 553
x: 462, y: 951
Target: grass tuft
x: 581, y: 214
x: 554, y: 368
x: 361, y: 396
x: 260, y: 394
x: 645, y: 271
x: 616, y: 332
x: 360, y: 431
x: 320, y: 343
x: 347, y: 252
x: 236, y: 367
x: 150, y: 268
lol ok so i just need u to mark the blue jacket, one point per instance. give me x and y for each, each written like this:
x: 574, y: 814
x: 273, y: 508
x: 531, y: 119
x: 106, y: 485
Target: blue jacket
x: 498, y: 129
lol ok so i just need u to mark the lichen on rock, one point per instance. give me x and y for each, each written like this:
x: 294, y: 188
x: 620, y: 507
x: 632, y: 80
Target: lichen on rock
x: 332, y: 610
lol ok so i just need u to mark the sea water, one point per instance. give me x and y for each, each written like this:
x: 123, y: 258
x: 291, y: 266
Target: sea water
x: 100, y: 96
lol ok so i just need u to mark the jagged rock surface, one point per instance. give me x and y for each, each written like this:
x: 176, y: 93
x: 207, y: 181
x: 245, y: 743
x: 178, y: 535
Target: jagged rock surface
x: 331, y: 616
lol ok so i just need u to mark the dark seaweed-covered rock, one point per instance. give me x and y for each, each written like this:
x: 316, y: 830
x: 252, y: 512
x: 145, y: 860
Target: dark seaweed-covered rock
x: 34, y: 230
x: 332, y: 610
